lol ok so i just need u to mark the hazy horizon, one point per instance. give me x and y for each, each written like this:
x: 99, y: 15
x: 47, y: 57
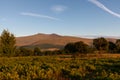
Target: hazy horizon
x: 79, y: 36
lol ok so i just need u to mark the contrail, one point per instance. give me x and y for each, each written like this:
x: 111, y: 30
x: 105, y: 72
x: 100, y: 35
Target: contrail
x: 38, y: 15
x: 103, y: 7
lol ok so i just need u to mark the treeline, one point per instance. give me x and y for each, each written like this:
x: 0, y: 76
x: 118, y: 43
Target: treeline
x: 100, y: 45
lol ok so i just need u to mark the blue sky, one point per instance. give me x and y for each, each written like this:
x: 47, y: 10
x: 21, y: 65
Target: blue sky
x: 64, y: 17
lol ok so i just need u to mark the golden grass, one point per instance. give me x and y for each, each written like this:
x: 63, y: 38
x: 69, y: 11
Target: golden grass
x: 87, y: 56
x: 107, y: 55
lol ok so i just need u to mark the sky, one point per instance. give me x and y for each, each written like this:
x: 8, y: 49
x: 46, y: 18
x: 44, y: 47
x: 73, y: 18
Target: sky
x: 63, y: 17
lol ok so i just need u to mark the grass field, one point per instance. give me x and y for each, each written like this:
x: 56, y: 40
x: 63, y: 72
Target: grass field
x: 89, y: 67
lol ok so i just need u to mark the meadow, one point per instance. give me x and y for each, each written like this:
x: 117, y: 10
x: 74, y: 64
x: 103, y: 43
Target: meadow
x: 62, y: 67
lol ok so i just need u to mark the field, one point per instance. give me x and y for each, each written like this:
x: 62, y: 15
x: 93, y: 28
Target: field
x: 90, y: 67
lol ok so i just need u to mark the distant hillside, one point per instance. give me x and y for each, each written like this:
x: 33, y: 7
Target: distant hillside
x: 48, y: 41
x: 51, y: 41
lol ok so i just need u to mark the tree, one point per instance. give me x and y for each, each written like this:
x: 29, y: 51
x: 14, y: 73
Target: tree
x: 100, y: 44
x: 112, y: 47
x: 24, y: 52
x: 70, y: 48
x: 118, y: 45
x: 8, y: 42
x: 37, y: 51
x: 77, y: 47
x: 81, y: 47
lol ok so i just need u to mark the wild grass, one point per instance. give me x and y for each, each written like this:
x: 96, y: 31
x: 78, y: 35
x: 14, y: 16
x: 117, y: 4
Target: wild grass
x: 62, y: 67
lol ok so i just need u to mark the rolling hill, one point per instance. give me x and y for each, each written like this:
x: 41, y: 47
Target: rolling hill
x: 48, y: 41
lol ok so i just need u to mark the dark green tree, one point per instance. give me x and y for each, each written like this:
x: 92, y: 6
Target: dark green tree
x: 24, y: 52
x: 8, y: 42
x: 77, y: 47
x: 81, y: 47
x: 118, y: 45
x: 70, y: 48
x: 37, y: 51
x: 101, y: 44
x: 112, y: 47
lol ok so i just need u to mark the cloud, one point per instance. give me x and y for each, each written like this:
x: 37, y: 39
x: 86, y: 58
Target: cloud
x: 38, y: 15
x: 58, y: 8
x: 103, y: 7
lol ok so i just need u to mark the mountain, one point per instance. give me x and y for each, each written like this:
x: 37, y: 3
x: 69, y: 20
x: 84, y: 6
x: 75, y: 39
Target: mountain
x: 48, y: 41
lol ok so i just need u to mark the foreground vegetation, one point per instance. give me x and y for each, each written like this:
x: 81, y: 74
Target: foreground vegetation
x: 59, y: 68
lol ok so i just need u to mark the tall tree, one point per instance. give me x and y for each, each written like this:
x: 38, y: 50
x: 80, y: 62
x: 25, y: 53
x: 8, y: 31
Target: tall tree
x: 100, y: 44
x: 8, y: 42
